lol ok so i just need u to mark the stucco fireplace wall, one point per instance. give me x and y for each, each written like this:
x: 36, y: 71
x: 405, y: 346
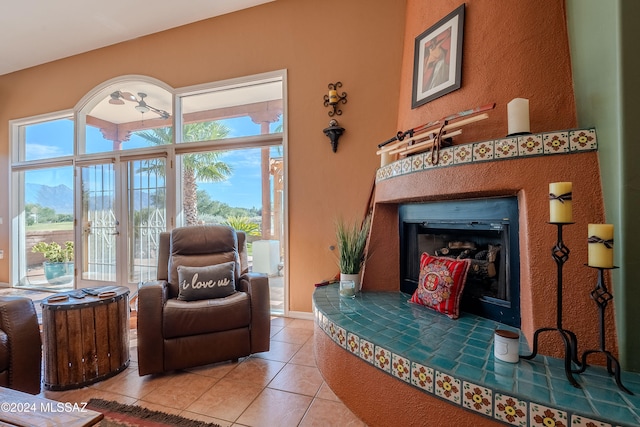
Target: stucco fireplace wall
x: 528, y: 179
x: 510, y: 50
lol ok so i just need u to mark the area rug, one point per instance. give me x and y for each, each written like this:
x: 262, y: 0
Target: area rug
x: 121, y: 415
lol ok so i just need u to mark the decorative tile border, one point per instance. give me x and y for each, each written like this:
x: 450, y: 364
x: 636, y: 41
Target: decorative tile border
x: 471, y: 396
x: 539, y: 144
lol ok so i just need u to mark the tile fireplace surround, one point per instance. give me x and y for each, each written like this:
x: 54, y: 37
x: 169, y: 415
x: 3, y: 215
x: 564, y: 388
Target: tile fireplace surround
x: 382, y: 343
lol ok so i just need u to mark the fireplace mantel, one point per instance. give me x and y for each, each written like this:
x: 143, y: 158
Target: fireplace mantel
x: 520, y: 166
x: 550, y: 143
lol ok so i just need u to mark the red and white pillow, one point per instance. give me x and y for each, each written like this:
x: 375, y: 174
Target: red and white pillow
x: 441, y: 283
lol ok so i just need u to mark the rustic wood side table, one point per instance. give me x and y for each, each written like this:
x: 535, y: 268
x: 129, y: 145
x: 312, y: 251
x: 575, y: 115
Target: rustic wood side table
x: 85, y: 337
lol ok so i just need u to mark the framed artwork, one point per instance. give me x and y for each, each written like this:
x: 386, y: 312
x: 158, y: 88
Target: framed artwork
x: 437, y: 60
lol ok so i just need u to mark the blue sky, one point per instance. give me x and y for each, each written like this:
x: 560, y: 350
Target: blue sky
x: 242, y: 189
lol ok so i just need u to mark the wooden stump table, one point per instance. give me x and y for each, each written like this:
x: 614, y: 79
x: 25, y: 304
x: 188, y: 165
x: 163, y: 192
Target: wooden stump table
x: 85, y: 337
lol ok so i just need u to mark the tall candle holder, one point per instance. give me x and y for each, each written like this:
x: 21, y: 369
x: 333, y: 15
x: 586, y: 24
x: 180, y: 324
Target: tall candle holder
x: 601, y: 295
x: 560, y: 254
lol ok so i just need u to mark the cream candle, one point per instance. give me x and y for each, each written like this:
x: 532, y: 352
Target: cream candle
x: 560, y: 205
x: 518, y: 116
x: 333, y: 96
x: 600, y: 245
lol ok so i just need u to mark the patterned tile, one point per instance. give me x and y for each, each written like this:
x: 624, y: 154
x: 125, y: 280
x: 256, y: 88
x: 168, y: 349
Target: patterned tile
x: 353, y: 343
x: 557, y: 142
x: 477, y: 398
x: 397, y: 168
x: 422, y: 377
x: 417, y: 162
x: 483, y: 151
x: 543, y: 416
x: 462, y: 153
x: 446, y: 156
x: 428, y: 160
x: 507, y: 147
x: 529, y: 145
x: 448, y: 387
x: 401, y: 367
x: 382, y: 359
x: 366, y: 350
x: 580, y: 421
x: 406, y: 165
x: 583, y: 140
x: 331, y: 330
x: 510, y: 410
x: 341, y: 336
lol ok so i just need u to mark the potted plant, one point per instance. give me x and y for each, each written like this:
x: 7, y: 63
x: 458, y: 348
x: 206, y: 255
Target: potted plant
x: 352, y: 239
x: 58, y: 267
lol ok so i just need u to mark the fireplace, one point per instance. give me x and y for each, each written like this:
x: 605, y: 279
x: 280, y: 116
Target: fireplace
x: 485, y: 231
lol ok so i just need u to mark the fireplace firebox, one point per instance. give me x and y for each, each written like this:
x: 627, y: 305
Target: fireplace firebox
x: 484, y: 231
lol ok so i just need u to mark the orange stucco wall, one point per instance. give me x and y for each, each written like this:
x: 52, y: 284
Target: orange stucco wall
x: 510, y: 50
x: 317, y: 43
x: 391, y: 402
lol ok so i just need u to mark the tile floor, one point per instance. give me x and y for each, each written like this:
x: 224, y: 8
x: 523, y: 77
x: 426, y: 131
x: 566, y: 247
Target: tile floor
x: 281, y: 387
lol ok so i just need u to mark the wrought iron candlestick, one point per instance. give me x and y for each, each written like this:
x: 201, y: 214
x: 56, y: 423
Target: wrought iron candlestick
x: 560, y: 254
x: 601, y: 295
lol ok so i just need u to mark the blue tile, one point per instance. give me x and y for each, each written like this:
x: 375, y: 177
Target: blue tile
x: 463, y: 348
x: 577, y: 403
x: 533, y: 391
x: 621, y: 414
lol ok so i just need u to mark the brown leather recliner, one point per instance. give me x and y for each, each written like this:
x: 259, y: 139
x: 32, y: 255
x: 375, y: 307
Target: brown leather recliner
x: 175, y: 334
x: 20, y: 345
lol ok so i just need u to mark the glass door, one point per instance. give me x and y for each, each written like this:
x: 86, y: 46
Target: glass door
x: 123, y: 211
x: 99, y: 225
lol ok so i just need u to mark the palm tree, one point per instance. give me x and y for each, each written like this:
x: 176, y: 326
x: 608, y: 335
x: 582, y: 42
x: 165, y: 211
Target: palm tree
x: 196, y: 167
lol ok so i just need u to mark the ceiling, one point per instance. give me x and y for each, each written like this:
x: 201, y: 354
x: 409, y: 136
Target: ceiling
x: 38, y: 31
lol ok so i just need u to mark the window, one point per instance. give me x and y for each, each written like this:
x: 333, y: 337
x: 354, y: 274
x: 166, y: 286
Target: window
x: 128, y: 176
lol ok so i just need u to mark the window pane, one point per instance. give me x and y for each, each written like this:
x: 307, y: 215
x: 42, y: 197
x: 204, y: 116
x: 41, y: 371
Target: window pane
x: 48, y: 218
x: 147, y: 216
x: 241, y: 188
x: 253, y: 109
x: 115, y: 122
x: 47, y: 140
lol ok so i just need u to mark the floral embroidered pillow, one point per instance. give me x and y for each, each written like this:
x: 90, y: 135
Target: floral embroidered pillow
x: 214, y: 281
x: 441, y: 283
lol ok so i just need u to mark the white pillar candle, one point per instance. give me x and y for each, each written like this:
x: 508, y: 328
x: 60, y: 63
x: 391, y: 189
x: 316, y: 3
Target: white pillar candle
x: 601, y: 245
x: 518, y: 116
x: 560, y: 206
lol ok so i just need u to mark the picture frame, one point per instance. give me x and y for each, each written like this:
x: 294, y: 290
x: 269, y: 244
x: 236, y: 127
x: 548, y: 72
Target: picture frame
x: 437, y: 61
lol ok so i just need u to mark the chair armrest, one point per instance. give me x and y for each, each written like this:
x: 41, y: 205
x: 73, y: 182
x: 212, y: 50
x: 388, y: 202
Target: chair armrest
x: 152, y: 297
x: 19, y: 321
x: 257, y: 286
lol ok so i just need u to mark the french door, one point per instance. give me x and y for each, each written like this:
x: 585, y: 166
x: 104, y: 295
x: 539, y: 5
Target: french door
x: 122, y: 211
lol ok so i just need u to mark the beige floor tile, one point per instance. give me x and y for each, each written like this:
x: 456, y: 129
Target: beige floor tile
x: 129, y: 383
x: 256, y: 370
x: 293, y: 335
x: 274, y: 330
x: 280, y: 321
x: 157, y: 407
x: 279, y: 351
x: 83, y: 395
x: 226, y: 400
x: 325, y: 413
x: 215, y: 370
x: 206, y: 419
x: 181, y: 389
x: 275, y: 408
x: 326, y: 393
x: 301, y: 324
x: 304, y: 356
x: 298, y: 379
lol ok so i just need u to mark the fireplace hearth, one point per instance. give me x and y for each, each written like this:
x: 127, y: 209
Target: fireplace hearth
x: 484, y: 231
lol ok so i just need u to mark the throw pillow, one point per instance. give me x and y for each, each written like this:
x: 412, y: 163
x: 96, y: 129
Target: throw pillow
x: 214, y: 281
x: 441, y: 283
